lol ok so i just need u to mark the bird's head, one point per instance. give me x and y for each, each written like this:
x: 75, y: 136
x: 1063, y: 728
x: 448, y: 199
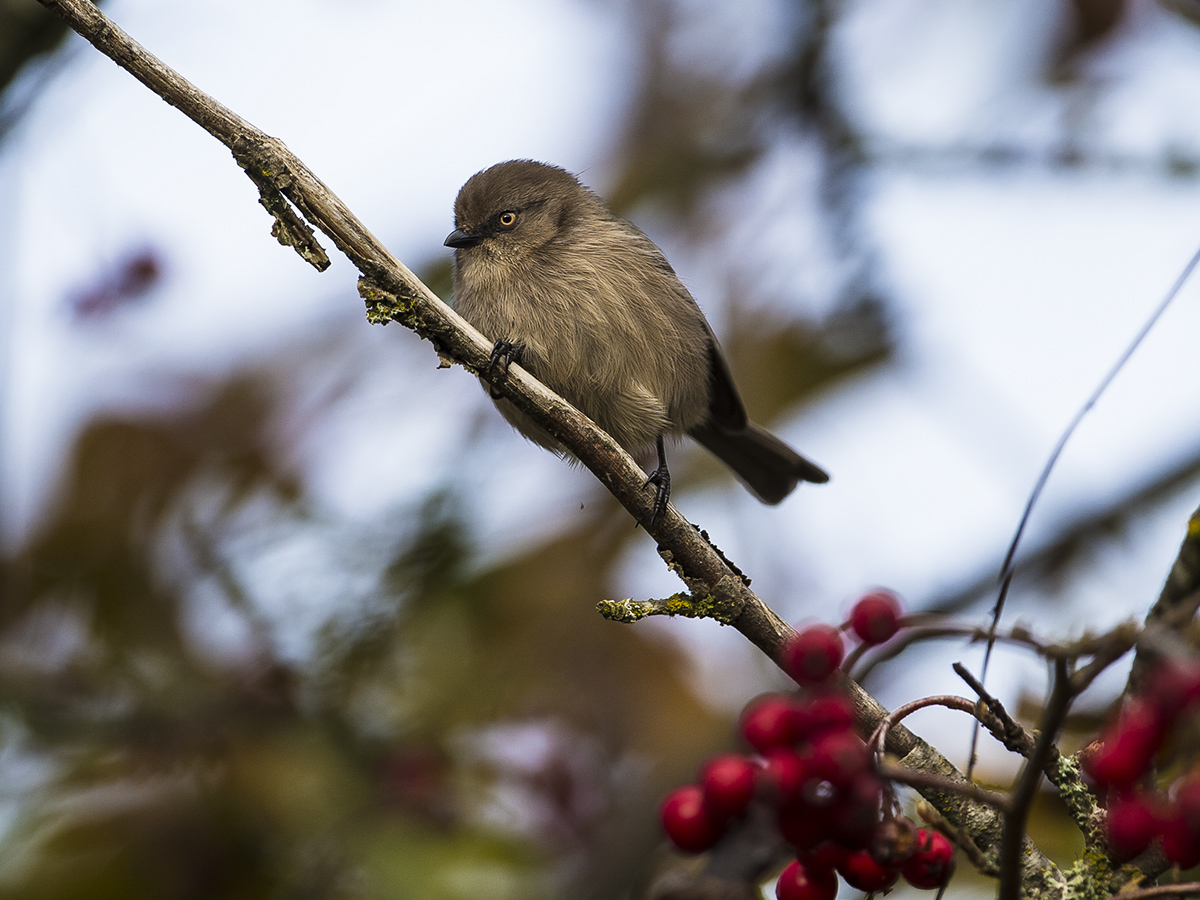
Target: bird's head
x: 515, y: 208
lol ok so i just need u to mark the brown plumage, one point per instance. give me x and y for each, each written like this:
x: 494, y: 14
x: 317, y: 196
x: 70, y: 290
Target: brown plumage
x: 589, y: 306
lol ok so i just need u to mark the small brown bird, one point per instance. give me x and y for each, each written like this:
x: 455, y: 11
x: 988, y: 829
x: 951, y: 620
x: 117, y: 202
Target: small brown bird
x: 590, y: 307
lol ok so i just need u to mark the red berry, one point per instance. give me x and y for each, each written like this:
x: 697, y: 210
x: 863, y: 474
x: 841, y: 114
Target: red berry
x: 728, y: 784
x: 1180, y: 845
x: 813, y: 654
x: 824, y: 712
x: 1181, y: 828
x: 1132, y: 823
x: 770, y: 722
x: 933, y: 863
x: 786, y: 773
x: 825, y: 855
x: 802, y: 826
x: 838, y: 757
x: 689, y: 824
x: 1172, y: 686
x: 876, y: 617
x: 1128, y: 746
x: 861, y: 871
x: 797, y: 882
x: 854, y: 816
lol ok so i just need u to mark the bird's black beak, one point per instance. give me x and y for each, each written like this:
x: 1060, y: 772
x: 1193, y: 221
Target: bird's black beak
x: 459, y: 239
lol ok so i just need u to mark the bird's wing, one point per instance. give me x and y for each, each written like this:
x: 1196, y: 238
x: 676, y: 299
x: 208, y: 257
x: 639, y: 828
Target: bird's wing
x: 725, y: 407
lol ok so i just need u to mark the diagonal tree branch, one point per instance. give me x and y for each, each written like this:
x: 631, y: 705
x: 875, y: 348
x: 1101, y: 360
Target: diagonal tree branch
x: 302, y: 205
x: 298, y: 199
x: 1176, y: 604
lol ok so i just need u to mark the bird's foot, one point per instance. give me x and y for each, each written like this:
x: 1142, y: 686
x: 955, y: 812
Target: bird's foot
x: 504, y: 354
x: 661, y: 478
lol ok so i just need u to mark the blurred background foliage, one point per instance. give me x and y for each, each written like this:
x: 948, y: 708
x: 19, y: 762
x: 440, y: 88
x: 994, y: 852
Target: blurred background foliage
x: 460, y: 726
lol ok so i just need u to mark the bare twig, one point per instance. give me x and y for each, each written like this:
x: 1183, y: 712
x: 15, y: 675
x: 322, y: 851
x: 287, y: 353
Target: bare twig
x: 1008, y: 569
x: 1013, y: 842
x: 932, y: 627
x: 1114, y: 645
x: 1016, y: 156
x: 968, y: 789
x: 878, y: 739
x: 1003, y: 727
x: 926, y: 779
x: 1072, y: 536
x: 1062, y: 772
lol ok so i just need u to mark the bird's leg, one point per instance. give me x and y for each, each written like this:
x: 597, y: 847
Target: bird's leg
x: 506, y: 352
x: 660, y: 477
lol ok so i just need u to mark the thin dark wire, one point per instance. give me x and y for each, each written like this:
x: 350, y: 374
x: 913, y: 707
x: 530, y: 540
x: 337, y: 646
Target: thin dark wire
x: 1007, y: 570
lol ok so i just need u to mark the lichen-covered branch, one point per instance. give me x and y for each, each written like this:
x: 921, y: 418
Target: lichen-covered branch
x: 681, y: 604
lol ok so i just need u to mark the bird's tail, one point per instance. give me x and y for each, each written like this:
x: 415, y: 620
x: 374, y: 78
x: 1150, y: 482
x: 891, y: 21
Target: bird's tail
x: 766, y: 465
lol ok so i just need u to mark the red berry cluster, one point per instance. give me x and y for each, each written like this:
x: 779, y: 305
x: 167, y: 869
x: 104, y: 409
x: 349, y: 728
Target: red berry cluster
x: 816, y: 652
x: 814, y: 876
x: 1122, y: 763
x: 818, y: 778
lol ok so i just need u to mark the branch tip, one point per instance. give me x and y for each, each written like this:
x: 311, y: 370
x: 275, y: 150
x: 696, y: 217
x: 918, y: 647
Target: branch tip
x: 289, y: 228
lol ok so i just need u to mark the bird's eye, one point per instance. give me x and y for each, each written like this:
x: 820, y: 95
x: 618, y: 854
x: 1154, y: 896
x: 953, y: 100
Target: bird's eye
x: 507, y: 219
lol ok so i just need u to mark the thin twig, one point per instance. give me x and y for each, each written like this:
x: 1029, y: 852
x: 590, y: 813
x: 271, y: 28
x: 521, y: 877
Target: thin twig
x: 1085, y: 529
x: 1013, y: 843
x: 1116, y: 644
x: 1063, y: 773
x: 926, y: 628
x: 1008, y: 731
x: 970, y: 789
x: 1007, y: 570
x: 878, y: 739
x: 925, y: 779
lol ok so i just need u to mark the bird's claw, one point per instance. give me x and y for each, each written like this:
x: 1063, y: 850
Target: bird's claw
x: 661, y: 478
x: 506, y: 352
